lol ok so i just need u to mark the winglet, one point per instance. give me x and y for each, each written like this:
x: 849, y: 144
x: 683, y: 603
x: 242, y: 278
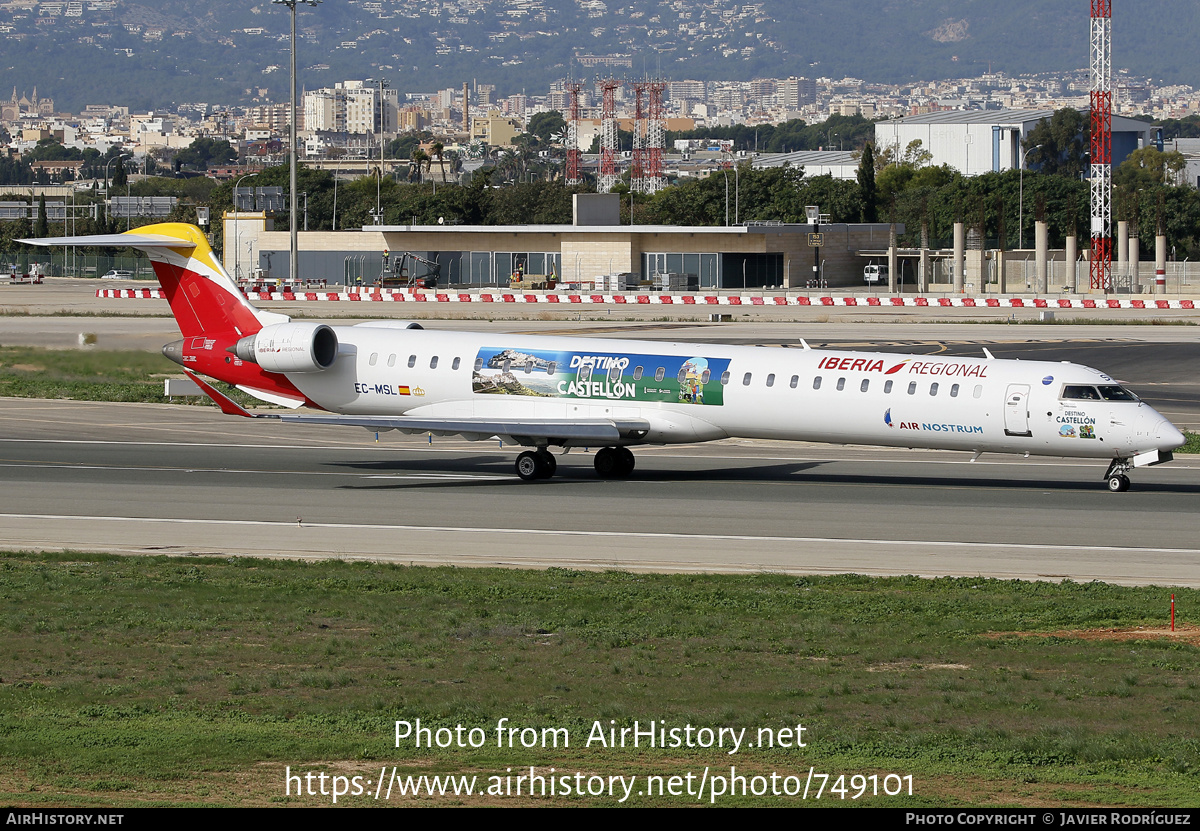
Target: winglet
x: 227, y: 404
x: 989, y: 355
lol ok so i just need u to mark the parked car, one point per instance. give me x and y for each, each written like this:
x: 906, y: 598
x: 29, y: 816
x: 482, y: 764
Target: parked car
x: 118, y: 274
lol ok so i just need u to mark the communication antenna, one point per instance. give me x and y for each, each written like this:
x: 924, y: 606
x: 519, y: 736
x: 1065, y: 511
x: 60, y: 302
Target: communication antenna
x: 1100, y: 162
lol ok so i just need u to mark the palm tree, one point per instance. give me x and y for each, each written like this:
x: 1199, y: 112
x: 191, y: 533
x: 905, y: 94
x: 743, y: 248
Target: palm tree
x: 419, y: 157
x: 437, y: 149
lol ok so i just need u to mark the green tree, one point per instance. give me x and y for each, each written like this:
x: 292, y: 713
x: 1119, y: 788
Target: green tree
x: 120, y: 176
x: 1056, y: 145
x: 1150, y: 166
x: 545, y: 125
x: 205, y: 152
x: 866, y: 184
x: 42, y: 228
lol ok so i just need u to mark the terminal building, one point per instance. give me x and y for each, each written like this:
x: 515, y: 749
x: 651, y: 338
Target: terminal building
x: 594, y: 247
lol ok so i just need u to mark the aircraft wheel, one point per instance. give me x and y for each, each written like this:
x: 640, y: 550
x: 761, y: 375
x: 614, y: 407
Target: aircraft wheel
x: 548, y: 462
x: 626, y: 462
x: 607, y: 463
x: 1118, y: 483
x: 529, y: 466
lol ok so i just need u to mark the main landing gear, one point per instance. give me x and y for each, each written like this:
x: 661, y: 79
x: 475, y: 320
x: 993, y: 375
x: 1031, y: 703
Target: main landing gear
x: 614, y: 463
x: 1118, y: 482
x: 611, y: 463
x: 536, y: 464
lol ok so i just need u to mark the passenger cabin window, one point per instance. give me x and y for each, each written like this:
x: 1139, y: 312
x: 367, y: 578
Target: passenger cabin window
x: 725, y: 377
x: 433, y: 362
x: 456, y: 363
x: 585, y: 372
x: 614, y: 373
x: 954, y: 391
x: 978, y: 391
x: 528, y: 367
x: 746, y: 380
x: 912, y: 388
x: 682, y: 376
x: 637, y: 373
x: 817, y: 383
x: 933, y: 388
x: 705, y: 376
x: 771, y: 380
x: 841, y: 384
x: 391, y: 360
x: 887, y: 387
x: 507, y: 367
x: 660, y: 373
x: 863, y: 386
x: 374, y: 357
x: 412, y: 361
x: 551, y: 367
x: 795, y: 382
x: 478, y: 364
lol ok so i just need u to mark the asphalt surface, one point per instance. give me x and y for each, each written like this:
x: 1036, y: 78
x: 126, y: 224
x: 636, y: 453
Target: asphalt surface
x: 185, y: 480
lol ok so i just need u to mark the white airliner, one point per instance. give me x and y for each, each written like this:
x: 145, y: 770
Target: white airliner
x: 562, y: 392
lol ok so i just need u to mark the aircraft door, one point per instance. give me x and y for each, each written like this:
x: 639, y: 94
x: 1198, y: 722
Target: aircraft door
x: 1016, y: 411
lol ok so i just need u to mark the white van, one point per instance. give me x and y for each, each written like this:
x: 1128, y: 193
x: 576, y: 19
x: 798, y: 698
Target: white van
x: 875, y: 274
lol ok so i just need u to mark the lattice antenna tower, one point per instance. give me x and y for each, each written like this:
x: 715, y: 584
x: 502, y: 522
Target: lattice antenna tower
x: 1100, y: 173
x: 608, y: 135
x: 574, y: 156
x: 637, y: 174
x: 656, y: 137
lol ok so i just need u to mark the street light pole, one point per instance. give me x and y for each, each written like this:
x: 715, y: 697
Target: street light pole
x: 107, y: 199
x: 1021, y: 200
x: 379, y: 179
x: 237, y: 226
x: 293, y: 264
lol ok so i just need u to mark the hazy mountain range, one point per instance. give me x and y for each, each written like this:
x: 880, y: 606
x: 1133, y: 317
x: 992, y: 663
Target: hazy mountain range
x: 154, y: 54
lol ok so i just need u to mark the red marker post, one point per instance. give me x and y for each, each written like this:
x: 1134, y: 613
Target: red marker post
x: 1172, y: 613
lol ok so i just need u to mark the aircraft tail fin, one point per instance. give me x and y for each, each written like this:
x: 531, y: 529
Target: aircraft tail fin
x: 202, y: 295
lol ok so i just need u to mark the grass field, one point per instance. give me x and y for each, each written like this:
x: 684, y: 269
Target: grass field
x: 132, y: 681
x: 92, y: 375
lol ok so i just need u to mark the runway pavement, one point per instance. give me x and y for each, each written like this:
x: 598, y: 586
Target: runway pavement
x: 185, y: 480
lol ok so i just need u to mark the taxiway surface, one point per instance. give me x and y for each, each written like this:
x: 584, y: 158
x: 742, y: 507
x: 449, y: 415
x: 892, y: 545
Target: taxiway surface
x: 184, y: 480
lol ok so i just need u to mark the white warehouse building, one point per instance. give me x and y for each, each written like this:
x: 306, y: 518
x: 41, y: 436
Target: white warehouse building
x: 989, y: 141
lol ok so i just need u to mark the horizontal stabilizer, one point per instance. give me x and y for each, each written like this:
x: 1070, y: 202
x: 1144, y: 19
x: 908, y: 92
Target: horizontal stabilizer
x: 116, y: 241
x: 227, y: 404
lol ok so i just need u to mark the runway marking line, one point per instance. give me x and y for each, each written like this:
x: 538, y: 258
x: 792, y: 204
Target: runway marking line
x: 339, y: 526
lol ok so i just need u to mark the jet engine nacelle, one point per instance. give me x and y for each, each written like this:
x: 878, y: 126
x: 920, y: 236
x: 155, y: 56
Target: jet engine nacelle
x: 290, y: 347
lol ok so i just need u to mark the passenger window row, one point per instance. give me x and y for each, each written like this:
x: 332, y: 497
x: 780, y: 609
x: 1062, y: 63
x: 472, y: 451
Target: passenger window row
x: 412, y: 361
x: 615, y: 372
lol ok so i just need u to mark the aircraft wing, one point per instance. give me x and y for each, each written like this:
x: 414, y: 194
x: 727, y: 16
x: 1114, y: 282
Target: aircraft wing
x: 598, y: 431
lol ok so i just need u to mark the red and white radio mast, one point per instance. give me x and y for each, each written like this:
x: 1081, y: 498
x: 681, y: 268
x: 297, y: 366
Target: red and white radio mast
x: 608, y: 135
x: 1101, y: 151
x: 574, y: 173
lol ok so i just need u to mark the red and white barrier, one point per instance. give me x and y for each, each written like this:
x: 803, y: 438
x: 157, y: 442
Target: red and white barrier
x: 687, y: 299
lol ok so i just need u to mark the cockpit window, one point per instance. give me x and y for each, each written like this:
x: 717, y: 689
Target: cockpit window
x: 1115, y: 393
x: 1078, y: 392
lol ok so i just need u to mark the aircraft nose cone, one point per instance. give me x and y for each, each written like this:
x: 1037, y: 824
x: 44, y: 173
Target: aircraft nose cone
x: 1168, y: 436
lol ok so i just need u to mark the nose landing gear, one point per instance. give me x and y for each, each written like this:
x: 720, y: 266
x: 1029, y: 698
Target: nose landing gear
x: 1118, y: 482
